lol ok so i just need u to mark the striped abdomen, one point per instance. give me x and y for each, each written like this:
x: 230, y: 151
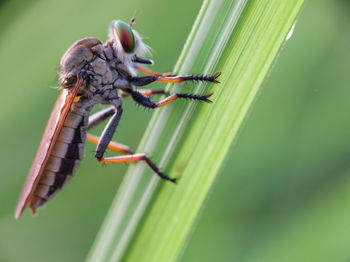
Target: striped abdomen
x: 64, y: 159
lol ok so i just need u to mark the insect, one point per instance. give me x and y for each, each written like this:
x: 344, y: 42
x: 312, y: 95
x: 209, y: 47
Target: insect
x: 95, y: 73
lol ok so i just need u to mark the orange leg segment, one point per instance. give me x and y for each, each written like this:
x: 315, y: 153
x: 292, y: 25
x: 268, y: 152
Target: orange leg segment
x: 112, y: 145
x: 173, y: 97
x: 149, y: 72
x: 137, y: 158
x: 130, y: 157
x: 123, y: 159
x: 150, y: 92
x: 145, y: 80
x: 179, y: 78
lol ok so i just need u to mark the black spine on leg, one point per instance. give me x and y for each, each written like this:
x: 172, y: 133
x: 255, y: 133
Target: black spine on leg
x: 202, y: 78
x: 157, y: 171
x: 195, y: 97
x: 107, y: 133
x: 143, y: 100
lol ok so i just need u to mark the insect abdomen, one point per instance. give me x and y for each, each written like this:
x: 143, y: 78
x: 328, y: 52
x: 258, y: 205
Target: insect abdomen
x: 63, y: 161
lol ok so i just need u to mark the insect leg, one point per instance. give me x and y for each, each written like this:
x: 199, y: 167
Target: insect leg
x: 105, y: 141
x: 97, y: 118
x: 146, y: 92
x: 124, y: 149
x: 145, y: 80
x: 151, y: 92
x: 108, y: 132
x: 147, y: 102
x: 137, y: 158
x: 100, y: 116
x: 149, y: 72
x: 141, y: 60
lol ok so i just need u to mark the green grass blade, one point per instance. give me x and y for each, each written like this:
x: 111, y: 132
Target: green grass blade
x: 150, y: 220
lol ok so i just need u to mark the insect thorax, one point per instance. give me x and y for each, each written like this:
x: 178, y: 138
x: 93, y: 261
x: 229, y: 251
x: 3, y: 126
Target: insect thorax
x: 103, y: 66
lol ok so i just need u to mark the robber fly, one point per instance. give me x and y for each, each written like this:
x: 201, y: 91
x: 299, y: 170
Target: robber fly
x: 95, y: 73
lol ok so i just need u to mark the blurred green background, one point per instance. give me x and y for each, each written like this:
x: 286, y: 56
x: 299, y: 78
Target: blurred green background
x: 288, y: 199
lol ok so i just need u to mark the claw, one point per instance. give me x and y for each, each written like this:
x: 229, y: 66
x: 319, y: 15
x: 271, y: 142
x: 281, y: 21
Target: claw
x: 208, y: 95
x: 215, y: 76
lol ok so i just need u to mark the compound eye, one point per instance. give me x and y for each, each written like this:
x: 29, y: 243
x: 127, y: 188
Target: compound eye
x: 125, y: 35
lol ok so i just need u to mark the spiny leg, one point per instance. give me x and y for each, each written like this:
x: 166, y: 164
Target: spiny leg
x: 145, y: 80
x: 98, y: 118
x: 137, y: 158
x: 166, y: 77
x: 147, y: 102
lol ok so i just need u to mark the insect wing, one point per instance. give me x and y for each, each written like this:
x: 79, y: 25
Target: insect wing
x: 53, y: 127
